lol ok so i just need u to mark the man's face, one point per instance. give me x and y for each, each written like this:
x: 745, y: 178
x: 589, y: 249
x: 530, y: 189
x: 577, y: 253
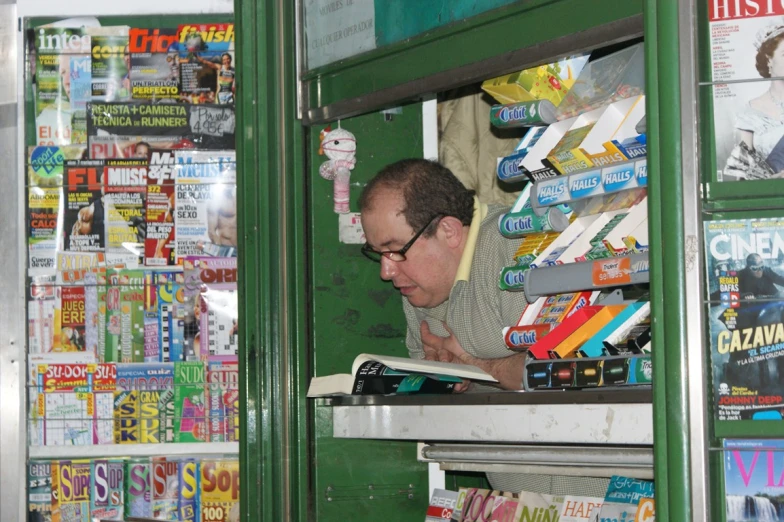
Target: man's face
x: 424, y: 278
x: 756, y: 267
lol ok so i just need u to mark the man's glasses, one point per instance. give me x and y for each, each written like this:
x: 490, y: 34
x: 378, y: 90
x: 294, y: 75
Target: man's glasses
x: 756, y: 268
x: 396, y: 255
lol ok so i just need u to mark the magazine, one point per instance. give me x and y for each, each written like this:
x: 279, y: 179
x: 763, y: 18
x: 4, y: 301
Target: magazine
x: 63, y: 78
x: 159, y: 242
x: 39, y: 491
x: 154, y: 74
x: 205, y: 219
x: 217, y: 309
x: 125, y: 193
x: 110, y: 64
x: 622, y: 499
x: 83, y: 223
x: 220, y: 489
x: 749, y: 110
x: 116, y: 129
x: 752, y: 479
x: 45, y: 208
x: 45, y: 164
x: 744, y: 279
x: 223, y: 399
x: 206, y: 63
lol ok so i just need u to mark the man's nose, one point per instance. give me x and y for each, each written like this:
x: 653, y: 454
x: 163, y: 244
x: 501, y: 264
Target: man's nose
x: 388, y: 268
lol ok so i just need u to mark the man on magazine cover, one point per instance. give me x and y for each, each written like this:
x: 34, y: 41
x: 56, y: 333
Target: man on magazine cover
x: 758, y: 281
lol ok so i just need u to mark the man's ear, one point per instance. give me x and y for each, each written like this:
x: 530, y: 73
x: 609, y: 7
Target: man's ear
x: 452, y: 229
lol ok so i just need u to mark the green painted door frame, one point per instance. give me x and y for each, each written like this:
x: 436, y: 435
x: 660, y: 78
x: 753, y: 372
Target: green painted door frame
x: 271, y: 265
x: 275, y: 207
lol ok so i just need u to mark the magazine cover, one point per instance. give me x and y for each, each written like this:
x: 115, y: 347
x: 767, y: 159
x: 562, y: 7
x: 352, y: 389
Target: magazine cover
x: 189, y: 402
x: 749, y: 115
x: 220, y: 490
x: 153, y: 384
x: 218, y: 309
x: 206, y: 203
x: 165, y: 488
x: 71, y: 490
x: 72, y: 329
x: 45, y: 164
x: 107, y: 488
x: 223, y: 398
x: 580, y: 509
x: 744, y: 280
x: 84, y: 217
x: 64, y: 399
x: 191, y: 307
x: 125, y: 193
x: 752, y: 485
x: 538, y: 506
x: 159, y: 242
x: 188, y: 501
x: 206, y: 62
x: 154, y: 74
x: 111, y: 62
x: 44, y: 225
x: 115, y: 130
x: 623, y: 498
x: 63, y: 74
x: 137, y: 487
x: 39, y: 491
x: 41, y: 304
x: 104, y: 389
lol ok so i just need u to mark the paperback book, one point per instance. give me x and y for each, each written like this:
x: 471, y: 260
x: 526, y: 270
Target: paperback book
x: 385, y: 374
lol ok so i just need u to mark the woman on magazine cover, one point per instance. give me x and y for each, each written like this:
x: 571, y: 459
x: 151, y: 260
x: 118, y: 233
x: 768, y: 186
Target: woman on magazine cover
x: 761, y: 126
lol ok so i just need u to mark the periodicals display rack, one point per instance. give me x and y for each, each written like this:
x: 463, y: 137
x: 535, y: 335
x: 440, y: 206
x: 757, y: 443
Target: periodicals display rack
x: 743, y: 226
x: 131, y: 220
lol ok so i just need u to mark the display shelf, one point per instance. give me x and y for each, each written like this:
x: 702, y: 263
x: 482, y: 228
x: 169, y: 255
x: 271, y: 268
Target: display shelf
x: 613, y: 178
x: 574, y: 460
x: 133, y: 450
x: 586, y: 417
x: 629, y: 269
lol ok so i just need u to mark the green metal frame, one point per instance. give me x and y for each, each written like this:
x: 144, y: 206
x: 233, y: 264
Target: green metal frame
x: 521, y: 25
x: 273, y: 447
x: 666, y: 220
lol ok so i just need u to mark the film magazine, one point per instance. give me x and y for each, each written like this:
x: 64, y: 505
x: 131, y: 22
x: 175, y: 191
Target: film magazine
x: 745, y: 281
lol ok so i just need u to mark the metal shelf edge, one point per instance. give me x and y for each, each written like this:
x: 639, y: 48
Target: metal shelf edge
x: 134, y: 450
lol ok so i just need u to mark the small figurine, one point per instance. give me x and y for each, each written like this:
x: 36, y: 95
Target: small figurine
x: 340, y: 147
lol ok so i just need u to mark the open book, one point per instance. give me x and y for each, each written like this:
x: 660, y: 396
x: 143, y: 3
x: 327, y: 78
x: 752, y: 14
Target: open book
x: 384, y: 374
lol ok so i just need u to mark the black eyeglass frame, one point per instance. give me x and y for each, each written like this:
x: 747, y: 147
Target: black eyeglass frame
x: 376, y: 256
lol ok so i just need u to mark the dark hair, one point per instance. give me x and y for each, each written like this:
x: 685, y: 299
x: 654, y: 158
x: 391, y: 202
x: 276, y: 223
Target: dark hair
x: 751, y: 258
x: 226, y: 54
x: 428, y: 188
x: 765, y: 53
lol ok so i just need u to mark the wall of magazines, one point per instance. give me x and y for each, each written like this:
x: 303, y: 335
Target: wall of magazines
x: 131, y: 238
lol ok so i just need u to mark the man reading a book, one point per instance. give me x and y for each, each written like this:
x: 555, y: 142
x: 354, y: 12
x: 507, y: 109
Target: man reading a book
x: 440, y: 247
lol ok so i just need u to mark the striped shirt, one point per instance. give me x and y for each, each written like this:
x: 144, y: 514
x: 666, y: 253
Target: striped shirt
x: 477, y: 311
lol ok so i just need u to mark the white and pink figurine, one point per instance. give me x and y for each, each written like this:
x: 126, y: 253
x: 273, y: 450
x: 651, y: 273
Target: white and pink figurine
x: 340, y: 146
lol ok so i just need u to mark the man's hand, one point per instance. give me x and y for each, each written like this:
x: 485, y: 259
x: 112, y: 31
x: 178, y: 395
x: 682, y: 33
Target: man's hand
x: 508, y: 370
x: 436, y: 349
